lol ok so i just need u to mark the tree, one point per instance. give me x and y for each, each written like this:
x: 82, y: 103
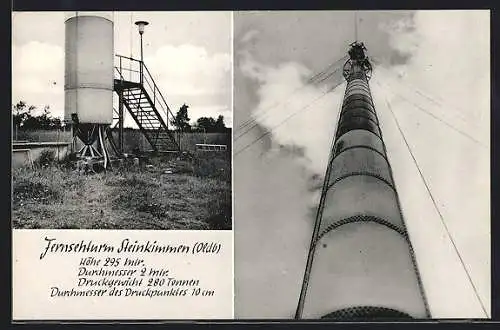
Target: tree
x: 21, y: 112
x: 206, y: 124
x: 23, y: 118
x: 219, y: 124
x: 181, y: 119
x: 210, y: 125
x: 43, y: 121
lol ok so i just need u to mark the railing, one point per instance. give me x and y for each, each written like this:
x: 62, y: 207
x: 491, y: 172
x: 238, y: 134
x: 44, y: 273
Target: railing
x: 211, y: 147
x: 139, y: 73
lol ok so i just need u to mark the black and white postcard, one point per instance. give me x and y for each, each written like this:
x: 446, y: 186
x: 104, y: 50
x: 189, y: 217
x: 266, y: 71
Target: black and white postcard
x: 292, y: 165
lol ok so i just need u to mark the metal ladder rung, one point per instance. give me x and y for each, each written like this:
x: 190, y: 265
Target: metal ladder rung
x: 145, y: 112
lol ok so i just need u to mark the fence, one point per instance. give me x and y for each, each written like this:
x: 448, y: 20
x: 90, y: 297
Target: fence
x: 132, y: 138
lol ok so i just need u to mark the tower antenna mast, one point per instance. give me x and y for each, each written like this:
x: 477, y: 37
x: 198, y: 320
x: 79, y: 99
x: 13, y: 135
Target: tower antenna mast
x: 356, y: 25
x: 361, y: 264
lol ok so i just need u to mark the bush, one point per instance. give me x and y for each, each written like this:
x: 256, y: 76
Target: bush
x: 47, y: 157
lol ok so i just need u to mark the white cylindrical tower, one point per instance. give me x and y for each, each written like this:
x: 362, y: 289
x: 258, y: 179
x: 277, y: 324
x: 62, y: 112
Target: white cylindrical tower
x: 88, y: 81
x: 361, y: 264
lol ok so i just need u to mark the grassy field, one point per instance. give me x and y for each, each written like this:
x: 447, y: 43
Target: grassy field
x: 158, y: 194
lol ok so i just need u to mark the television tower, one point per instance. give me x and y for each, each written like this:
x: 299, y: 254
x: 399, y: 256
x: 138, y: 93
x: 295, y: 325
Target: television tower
x: 361, y: 263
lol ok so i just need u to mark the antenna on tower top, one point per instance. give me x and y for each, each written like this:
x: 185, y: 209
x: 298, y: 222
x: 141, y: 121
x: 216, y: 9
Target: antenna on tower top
x: 356, y: 25
x: 358, y: 61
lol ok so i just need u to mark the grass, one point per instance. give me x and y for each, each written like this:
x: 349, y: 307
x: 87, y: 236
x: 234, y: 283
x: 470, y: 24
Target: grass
x: 160, y: 194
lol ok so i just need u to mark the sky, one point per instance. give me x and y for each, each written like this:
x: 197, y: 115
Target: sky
x: 432, y: 72
x: 187, y: 53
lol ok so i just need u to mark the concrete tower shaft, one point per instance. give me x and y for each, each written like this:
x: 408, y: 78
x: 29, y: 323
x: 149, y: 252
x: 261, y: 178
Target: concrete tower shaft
x: 362, y: 261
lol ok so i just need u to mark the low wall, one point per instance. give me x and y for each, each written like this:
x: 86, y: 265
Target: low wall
x: 25, y: 153
x: 21, y: 158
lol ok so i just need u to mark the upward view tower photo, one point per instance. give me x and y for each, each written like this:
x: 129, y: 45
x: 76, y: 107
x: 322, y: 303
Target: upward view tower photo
x: 361, y: 263
x: 362, y: 172
x: 106, y: 114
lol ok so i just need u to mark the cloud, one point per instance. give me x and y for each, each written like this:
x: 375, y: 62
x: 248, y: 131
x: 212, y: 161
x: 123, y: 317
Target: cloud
x: 185, y: 74
x: 190, y: 74
x: 397, y: 29
x: 449, y: 59
x: 295, y: 112
x: 248, y: 36
x: 38, y: 75
x: 190, y: 70
x: 280, y: 180
x: 441, y: 99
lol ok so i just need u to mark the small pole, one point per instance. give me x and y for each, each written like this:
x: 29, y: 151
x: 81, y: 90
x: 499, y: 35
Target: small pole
x: 180, y: 138
x: 58, y: 146
x: 356, y: 26
x: 142, y: 61
x: 120, y: 122
x: 141, y: 25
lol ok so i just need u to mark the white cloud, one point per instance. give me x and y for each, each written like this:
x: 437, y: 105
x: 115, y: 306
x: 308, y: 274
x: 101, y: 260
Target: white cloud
x: 277, y: 191
x: 296, y: 113
x: 189, y: 74
x: 190, y: 70
x: 450, y: 59
x: 248, y: 36
x: 181, y: 72
x: 38, y: 75
x: 186, y: 73
x: 447, y: 75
